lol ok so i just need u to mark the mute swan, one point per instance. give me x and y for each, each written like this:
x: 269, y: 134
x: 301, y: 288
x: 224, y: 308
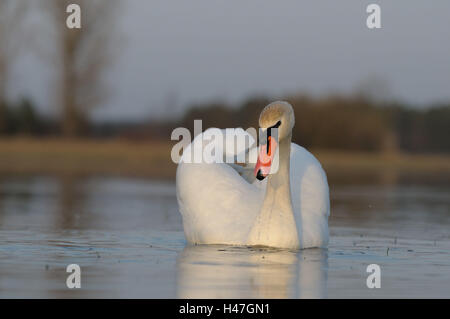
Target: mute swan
x: 288, y: 209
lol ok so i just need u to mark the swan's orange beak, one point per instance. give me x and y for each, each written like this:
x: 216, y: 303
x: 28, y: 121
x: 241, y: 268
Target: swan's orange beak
x: 265, y: 158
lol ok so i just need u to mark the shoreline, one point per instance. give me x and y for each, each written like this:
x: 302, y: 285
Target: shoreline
x: 151, y: 159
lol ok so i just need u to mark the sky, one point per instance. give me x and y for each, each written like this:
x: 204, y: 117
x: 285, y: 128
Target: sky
x: 174, y: 53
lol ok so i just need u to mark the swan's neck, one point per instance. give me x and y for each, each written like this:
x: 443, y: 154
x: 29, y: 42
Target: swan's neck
x: 275, y: 224
x: 278, y: 184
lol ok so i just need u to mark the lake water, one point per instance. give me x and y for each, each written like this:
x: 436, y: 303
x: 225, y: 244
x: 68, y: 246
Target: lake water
x: 126, y: 235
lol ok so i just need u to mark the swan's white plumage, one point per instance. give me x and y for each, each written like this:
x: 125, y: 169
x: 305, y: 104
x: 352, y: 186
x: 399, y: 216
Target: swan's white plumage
x: 310, y: 198
x: 218, y: 206
x: 211, y: 198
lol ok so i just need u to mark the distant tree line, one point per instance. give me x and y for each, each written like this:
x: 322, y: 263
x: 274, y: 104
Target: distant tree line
x: 342, y: 123
x: 334, y: 122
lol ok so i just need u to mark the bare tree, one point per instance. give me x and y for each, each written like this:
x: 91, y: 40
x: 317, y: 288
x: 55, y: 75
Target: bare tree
x: 82, y: 56
x: 12, y: 13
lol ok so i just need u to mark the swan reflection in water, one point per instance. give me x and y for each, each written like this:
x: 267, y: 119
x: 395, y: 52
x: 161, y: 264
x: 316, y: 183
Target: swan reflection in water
x: 206, y: 271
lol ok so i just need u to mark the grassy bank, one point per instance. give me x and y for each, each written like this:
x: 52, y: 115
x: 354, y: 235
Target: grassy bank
x: 85, y: 157
x: 152, y: 159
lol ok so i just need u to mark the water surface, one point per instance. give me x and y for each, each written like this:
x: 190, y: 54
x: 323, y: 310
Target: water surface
x: 126, y: 234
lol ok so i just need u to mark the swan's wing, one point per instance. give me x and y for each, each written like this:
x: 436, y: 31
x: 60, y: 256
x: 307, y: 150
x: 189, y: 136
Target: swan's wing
x: 243, y: 155
x: 246, y: 170
x: 217, y: 204
x: 310, y: 197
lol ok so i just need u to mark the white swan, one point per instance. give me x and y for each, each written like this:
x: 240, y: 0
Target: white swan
x: 288, y: 209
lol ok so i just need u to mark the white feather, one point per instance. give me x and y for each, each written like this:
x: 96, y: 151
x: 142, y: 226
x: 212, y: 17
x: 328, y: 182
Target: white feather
x: 219, y: 206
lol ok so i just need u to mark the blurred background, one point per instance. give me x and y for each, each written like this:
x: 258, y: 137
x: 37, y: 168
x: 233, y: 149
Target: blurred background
x: 86, y: 114
x: 136, y: 70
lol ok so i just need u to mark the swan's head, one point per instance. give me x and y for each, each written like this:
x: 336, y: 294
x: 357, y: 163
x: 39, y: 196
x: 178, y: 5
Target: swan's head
x: 281, y: 113
x: 276, y: 121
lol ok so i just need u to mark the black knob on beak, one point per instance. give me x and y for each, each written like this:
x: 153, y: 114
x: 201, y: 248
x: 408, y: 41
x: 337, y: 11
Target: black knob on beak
x: 260, y: 176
